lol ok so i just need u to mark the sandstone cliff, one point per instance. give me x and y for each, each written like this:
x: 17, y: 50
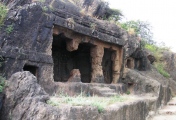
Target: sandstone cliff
x: 92, y: 56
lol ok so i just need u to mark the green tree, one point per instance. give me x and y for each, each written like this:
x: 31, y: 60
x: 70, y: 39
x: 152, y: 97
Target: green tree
x: 140, y: 28
x: 114, y: 14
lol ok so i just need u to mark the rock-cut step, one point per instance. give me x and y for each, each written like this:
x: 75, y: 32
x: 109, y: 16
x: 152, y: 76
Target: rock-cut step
x: 104, y: 91
x: 109, y: 94
x: 168, y: 110
x: 172, y: 102
x: 165, y: 117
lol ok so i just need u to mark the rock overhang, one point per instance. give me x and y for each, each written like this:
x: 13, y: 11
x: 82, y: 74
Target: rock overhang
x: 104, y: 31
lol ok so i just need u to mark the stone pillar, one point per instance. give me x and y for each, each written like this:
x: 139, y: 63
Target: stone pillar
x: 75, y: 76
x: 117, y: 63
x: 97, y: 53
x: 72, y: 45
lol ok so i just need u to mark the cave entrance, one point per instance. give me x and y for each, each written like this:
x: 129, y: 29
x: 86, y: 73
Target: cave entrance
x: 65, y: 61
x: 30, y: 68
x: 107, y: 65
x: 138, y: 64
x: 130, y: 63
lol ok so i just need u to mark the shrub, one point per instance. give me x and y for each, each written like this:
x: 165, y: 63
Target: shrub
x: 152, y: 48
x: 2, y: 83
x: 3, y: 13
x: 157, y: 52
x: 9, y: 29
x: 128, y: 92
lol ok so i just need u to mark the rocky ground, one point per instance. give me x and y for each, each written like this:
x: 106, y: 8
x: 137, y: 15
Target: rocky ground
x: 26, y: 99
x: 167, y: 112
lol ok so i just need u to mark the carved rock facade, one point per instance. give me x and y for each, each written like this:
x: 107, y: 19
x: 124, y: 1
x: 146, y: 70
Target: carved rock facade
x: 51, y: 41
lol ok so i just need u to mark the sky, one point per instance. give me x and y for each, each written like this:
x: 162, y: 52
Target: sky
x: 161, y: 14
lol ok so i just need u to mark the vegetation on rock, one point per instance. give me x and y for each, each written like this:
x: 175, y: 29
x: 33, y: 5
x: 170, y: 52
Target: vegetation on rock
x: 2, y: 79
x: 9, y: 29
x: 159, y: 64
x: 81, y: 100
x: 2, y: 84
x: 115, y: 15
x: 139, y: 28
x: 3, y: 13
x: 143, y: 31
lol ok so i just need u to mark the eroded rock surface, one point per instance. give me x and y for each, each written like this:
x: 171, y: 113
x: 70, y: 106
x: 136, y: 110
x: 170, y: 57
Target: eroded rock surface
x: 169, y: 59
x: 140, y: 83
x: 32, y: 47
x: 26, y: 99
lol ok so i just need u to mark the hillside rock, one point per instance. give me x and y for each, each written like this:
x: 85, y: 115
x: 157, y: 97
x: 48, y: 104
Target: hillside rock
x: 131, y: 45
x: 140, y: 83
x: 142, y: 62
x: 22, y: 94
x: 25, y: 99
x: 30, y: 44
x: 169, y: 58
x: 13, y: 3
x: 31, y: 38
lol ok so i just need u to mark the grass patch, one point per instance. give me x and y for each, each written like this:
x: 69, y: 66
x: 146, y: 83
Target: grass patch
x: 9, y: 29
x: 158, y: 54
x: 128, y: 92
x: 2, y: 84
x: 160, y: 69
x: 156, y: 50
x: 3, y: 13
x: 152, y: 48
x: 45, y: 8
x: 100, y: 102
x: 2, y: 79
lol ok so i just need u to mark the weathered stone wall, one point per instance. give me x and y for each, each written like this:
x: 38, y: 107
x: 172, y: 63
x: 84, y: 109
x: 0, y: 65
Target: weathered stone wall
x: 141, y: 61
x: 132, y: 44
x: 97, y: 54
x: 30, y: 42
x: 26, y: 99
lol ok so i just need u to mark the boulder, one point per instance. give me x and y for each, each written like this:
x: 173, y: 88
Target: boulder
x: 151, y: 58
x: 75, y: 76
x: 24, y: 97
x: 140, y: 83
x: 169, y: 58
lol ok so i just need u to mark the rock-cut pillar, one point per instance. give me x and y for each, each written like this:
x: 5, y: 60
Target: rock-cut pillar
x: 117, y: 64
x: 97, y: 53
x: 72, y: 45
